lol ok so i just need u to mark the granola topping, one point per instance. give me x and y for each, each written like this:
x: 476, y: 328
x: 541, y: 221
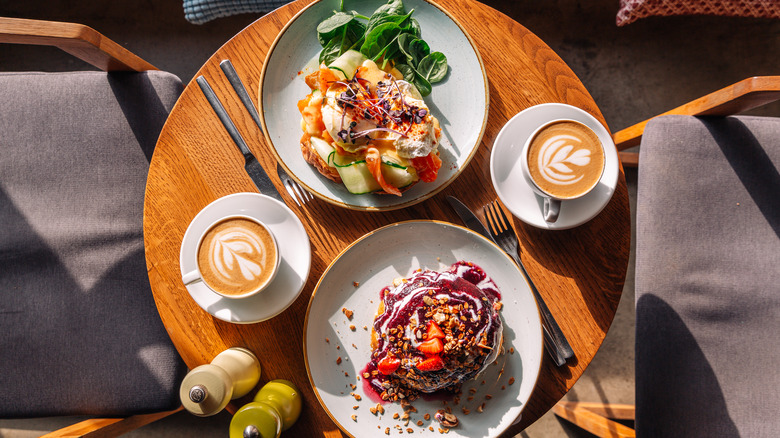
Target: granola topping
x: 437, y: 330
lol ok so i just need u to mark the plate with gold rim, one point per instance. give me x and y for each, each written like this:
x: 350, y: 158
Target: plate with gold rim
x: 459, y: 102
x: 337, y: 346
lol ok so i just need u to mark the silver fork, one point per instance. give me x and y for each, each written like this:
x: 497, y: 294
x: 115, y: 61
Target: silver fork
x: 554, y: 339
x: 296, y: 192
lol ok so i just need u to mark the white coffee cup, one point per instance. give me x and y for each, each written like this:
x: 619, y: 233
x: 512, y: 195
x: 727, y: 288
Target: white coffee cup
x: 237, y: 256
x: 562, y: 160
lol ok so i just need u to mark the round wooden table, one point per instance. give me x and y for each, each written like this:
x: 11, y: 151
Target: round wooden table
x: 580, y: 272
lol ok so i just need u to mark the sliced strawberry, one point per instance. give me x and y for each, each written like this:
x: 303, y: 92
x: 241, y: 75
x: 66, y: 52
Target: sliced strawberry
x: 388, y: 365
x: 431, y: 346
x: 432, y: 363
x: 434, y: 331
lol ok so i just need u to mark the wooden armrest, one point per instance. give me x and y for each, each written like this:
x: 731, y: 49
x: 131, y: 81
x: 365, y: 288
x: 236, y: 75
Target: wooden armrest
x: 742, y: 96
x: 596, y: 417
x: 108, y: 427
x: 80, y: 41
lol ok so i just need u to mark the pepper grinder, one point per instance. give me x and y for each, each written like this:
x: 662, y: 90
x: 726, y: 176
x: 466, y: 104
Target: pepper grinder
x: 207, y: 389
x: 276, y: 407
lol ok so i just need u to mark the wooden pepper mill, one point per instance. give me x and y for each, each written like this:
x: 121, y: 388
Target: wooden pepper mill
x: 207, y: 389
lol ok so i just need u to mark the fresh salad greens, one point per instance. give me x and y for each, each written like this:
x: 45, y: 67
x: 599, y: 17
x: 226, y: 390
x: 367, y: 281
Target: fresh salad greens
x: 390, y: 34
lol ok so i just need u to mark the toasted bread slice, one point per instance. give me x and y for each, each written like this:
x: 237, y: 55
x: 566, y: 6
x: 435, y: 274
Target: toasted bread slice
x: 312, y: 157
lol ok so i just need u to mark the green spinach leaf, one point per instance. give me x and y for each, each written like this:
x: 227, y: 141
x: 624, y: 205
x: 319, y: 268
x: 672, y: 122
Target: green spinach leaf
x: 433, y: 67
x: 340, y: 23
x: 380, y: 40
x: 392, y: 7
x: 413, y: 48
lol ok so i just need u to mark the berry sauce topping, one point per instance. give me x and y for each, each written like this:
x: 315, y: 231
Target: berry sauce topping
x: 435, y: 330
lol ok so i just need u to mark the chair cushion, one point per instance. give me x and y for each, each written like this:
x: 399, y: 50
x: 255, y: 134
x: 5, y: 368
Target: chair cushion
x: 203, y: 11
x: 708, y: 278
x: 632, y: 10
x: 80, y: 330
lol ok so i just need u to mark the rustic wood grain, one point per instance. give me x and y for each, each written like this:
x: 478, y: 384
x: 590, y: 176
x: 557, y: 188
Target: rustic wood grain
x: 742, y: 96
x: 580, y: 272
x: 79, y: 40
x: 596, y: 418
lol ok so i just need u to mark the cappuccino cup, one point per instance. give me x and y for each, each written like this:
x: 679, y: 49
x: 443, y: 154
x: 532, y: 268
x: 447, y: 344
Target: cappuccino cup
x: 562, y: 160
x: 237, y: 257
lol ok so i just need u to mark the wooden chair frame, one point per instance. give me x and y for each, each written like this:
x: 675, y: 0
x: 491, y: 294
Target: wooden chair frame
x: 742, y: 96
x: 92, y: 47
x: 597, y: 418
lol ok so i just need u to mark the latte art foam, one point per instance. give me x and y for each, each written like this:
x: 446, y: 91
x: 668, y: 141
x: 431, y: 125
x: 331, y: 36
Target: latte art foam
x: 565, y: 159
x: 237, y: 256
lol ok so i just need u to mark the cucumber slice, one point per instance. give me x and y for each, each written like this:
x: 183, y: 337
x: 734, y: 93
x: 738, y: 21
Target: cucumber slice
x: 348, y: 62
x: 322, y: 147
x: 399, y: 176
x: 345, y: 160
x: 357, y: 178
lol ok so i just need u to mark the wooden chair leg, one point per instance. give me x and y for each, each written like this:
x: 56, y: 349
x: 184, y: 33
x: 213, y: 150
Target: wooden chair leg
x: 629, y: 159
x: 108, y: 427
x: 596, y: 417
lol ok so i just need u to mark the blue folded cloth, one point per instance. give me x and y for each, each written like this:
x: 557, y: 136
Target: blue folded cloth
x: 202, y: 11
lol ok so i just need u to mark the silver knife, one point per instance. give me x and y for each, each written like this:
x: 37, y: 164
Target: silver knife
x: 251, y: 165
x: 238, y: 86
x: 469, y: 218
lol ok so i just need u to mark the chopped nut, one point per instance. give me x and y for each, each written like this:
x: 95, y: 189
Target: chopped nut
x: 409, y: 430
x: 387, y: 431
x: 355, y: 283
x: 327, y: 340
x: 420, y: 422
x: 466, y: 411
x: 446, y: 419
x: 354, y: 418
x: 427, y: 417
x: 511, y: 380
x: 355, y: 407
x: 481, y: 408
x: 338, y: 360
x: 352, y: 327
x: 396, y: 416
x: 347, y: 312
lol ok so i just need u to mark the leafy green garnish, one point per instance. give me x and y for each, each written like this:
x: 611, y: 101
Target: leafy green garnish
x: 390, y: 35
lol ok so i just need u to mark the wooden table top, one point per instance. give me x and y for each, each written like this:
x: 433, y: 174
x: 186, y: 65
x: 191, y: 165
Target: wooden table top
x: 580, y: 272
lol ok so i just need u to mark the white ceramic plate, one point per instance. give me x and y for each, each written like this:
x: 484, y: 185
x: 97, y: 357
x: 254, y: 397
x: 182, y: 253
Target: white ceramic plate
x: 354, y: 280
x: 294, y: 248
x: 460, y: 101
x: 513, y: 189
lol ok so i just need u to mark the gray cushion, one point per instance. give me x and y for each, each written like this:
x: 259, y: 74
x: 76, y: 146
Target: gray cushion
x: 708, y: 278
x: 80, y: 330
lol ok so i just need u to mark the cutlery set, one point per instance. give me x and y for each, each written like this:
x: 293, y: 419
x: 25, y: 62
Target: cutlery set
x: 499, y: 232
x: 252, y: 166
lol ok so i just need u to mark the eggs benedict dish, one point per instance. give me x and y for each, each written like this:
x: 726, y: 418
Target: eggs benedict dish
x: 368, y: 128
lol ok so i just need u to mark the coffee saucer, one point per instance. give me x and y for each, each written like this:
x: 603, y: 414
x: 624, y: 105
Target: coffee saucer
x: 515, y: 192
x: 294, y: 249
